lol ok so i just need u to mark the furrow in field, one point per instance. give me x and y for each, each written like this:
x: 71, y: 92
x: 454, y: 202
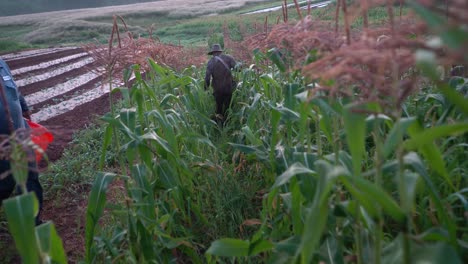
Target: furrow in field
x: 15, y: 63
x: 71, y: 104
x: 51, y: 74
x: 37, y: 86
x: 45, y: 70
x: 65, y: 96
x: 35, y: 52
x: 59, y: 89
x: 47, y: 64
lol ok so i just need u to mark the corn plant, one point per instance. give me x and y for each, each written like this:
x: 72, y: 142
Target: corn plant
x: 35, y: 244
x: 362, y: 187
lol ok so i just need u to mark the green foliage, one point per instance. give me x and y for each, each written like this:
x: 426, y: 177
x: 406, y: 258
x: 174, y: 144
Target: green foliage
x: 10, y: 46
x: 287, y: 179
x: 35, y: 244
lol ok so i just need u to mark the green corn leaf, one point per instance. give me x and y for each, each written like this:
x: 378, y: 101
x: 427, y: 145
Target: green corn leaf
x: 250, y: 136
x: 161, y: 71
x: 276, y: 57
x: 151, y: 135
x: 290, y: 91
x: 395, y: 135
x: 296, y: 207
x: 413, y: 160
x: 355, y: 127
x: 20, y: 212
x: 50, y: 243
x: 317, y: 216
x: 420, y: 253
x: 428, y: 136
x: 105, y: 143
x: 96, y: 203
x: 228, y: 247
x: 411, y: 181
x: 455, y: 97
x: 293, y: 170
x: 288, y: 114
x: 424, y: 141
x: 128, y: 117
x: 370, y: 192
x: 275, y: 118
x: 258, y: 151
x: 260, y: 246
x: 125, y: 94
x: 140, y: 176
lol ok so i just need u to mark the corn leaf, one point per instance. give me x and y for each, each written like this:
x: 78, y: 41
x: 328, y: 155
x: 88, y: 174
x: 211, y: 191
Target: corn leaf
x: 20, y: 212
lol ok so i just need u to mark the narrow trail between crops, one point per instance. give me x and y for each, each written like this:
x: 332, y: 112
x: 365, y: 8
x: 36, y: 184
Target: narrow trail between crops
x: 65, y: 95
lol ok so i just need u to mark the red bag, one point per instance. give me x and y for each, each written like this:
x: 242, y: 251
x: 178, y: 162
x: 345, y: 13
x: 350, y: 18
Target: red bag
x: 41, y: 137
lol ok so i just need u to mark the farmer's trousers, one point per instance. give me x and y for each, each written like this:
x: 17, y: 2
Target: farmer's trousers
x: 7, y: 185
x: 222, y: 103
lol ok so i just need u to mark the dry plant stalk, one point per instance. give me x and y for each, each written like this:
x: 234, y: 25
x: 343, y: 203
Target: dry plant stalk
x: 298, y: 9
x: 132, y: 50
x: 372, y: 65
x: 285, y: 11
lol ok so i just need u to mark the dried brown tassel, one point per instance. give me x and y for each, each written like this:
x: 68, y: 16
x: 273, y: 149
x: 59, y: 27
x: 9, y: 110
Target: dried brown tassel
x: 401, y: 8
x: 117, y: 30
x: 286, y: 11
x: 337, y: 16
x: 298, y: 9
x: 265, y: 25
x: 345, y: 14
x: 390, y: 15
x: 365, y: 7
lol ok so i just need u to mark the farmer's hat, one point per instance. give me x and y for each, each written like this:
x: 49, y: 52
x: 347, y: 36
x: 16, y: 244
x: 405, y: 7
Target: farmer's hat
x: 215, y: 48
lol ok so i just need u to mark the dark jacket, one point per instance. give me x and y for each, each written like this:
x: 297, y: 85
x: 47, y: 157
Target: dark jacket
x: 219, y: 76
x: 13, y: 100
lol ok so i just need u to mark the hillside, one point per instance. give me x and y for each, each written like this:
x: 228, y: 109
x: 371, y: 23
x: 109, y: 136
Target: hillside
x: 11, y: 8
x: 163, y: 18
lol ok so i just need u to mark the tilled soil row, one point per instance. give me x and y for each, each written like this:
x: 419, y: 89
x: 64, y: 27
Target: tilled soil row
x: 36, y: 59
x: 65, y: 96
x: 38, y: 86
x: 67, y: 212
x: 63, y: 126
x: 47, y: 69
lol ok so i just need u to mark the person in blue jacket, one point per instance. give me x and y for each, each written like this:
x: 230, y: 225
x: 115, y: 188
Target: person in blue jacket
x: 15, y: 105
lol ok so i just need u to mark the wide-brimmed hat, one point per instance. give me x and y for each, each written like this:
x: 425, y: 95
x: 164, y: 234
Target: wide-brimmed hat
x: 215, y: 48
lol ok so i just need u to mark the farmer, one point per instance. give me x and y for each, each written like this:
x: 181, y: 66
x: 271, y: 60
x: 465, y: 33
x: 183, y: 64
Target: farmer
x: 219, y: 75
x: 12, y: 102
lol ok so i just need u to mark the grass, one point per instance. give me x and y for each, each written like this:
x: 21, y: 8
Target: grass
x: 85, y: 25
x: 11, y: 46
x: 185, y: 25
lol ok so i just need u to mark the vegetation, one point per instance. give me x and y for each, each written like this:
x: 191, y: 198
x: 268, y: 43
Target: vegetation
x: 327, y: 155
x: 37, y: 6
x: 191, y: 23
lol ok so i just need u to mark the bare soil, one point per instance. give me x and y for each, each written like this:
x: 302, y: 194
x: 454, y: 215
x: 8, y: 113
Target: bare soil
x: 68, y: 212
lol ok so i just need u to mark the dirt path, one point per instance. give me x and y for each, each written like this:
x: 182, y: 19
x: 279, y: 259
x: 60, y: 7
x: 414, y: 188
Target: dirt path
x: 62, y: 88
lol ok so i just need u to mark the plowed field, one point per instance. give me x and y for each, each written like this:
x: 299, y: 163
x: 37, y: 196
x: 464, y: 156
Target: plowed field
x: 64, y: 95
x: 60, y: 88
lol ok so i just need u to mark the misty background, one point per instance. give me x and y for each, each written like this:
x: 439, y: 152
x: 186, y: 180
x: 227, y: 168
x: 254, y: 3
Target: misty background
x: 19, y: 7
